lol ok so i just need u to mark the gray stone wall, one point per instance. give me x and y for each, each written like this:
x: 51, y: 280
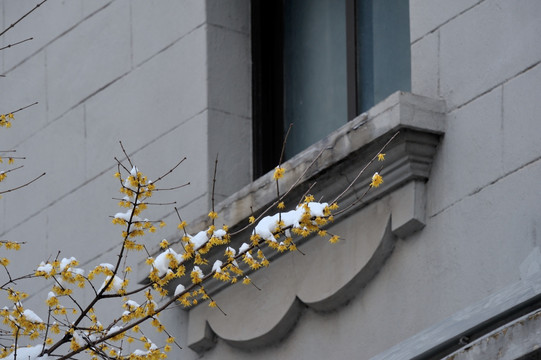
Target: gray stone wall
x: 172, y: 79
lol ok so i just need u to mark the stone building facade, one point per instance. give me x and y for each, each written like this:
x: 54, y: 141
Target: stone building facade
x: 442, y: 261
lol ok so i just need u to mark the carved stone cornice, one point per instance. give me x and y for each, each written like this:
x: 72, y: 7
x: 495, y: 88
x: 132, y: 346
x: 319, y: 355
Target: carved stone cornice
x: 329, y: 275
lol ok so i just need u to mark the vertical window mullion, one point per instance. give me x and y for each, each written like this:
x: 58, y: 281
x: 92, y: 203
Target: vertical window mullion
x: 351, y: 58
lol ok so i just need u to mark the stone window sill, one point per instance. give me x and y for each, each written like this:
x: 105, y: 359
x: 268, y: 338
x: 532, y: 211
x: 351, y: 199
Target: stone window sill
x: 394, y: 210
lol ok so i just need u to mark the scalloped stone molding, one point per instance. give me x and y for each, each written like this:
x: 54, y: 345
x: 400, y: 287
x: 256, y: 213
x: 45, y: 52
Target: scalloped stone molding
x: 329, y: 275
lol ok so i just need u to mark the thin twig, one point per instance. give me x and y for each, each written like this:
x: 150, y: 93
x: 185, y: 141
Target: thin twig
x: 22, y: 17
x: 173, y: 188
x: 170, y: 171
x: 18, y: 187
x: 126, y: 154
x: 119, y: 164
x: 23, y: 108
x: 16, y: 43
x: 364, y: 168
x: 214, y: 184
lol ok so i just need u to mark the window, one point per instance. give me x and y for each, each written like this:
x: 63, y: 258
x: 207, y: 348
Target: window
x: 318, y: 64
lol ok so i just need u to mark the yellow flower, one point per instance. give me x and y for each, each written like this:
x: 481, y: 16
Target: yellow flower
x: 381, y: 157
x: 377, y: 180
x: 213, y: 214
x: 162, y: 223
x: 281, y: 205
x: 334, y: 239
x: 278, y: 173
x: 164, y: 243
x: 182, y: 225
x: 251, y: 219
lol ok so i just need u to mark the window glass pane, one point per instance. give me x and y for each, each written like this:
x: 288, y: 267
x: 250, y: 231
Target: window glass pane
x: 315, y: 98
x: 383, y: 50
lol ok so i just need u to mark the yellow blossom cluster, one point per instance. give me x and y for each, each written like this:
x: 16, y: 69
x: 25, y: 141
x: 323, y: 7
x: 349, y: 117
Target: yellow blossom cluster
x: 278, y: 173
x: 192, y: 298
x: 377, y: 180
x: 5, y: 120
x: 21, y: 321
x: 137, y: 189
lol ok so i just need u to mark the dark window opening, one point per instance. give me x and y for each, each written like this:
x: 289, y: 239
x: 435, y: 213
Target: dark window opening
x: 318, y: 64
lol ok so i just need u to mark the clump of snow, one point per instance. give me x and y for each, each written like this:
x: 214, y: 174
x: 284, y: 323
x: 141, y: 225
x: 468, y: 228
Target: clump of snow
x: 199, y: 239
x: 107, y: 266
x: 220, y: 233
x: 28, y: 353
x: 162, y: 261
x: 116, y: 285
x: 79, y: 339
x: 198, y: 271
x: 130, y: 304
x: 231, y: 250
x: 31, y: 316
x: 243, y: 248
x: 139, y: 352
x: 179, y: 290
x: 66, y: 262
x: 114, y: 329
x: 46, y: 268
x: 217, y: 266
x: 127, y: 216
x: 267, y: 225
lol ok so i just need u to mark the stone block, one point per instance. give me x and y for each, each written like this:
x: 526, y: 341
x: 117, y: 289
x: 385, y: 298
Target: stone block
x: 470, y: 155
x: 23, y: 86
x: 425, y: 66
x: 80, y: 225
x: 408, y: 209
x: 45, y: 24
x: 229, y: 71
x: 232, y: 14
x: 486, y: 46
x: 36, y: 247
x: 91, y: 56
x: 158, y: 24
x: 521, y: 125
x: 155, y: 98
x: 61, y: 157
x: 91, y: 7
x: 427, y: 15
